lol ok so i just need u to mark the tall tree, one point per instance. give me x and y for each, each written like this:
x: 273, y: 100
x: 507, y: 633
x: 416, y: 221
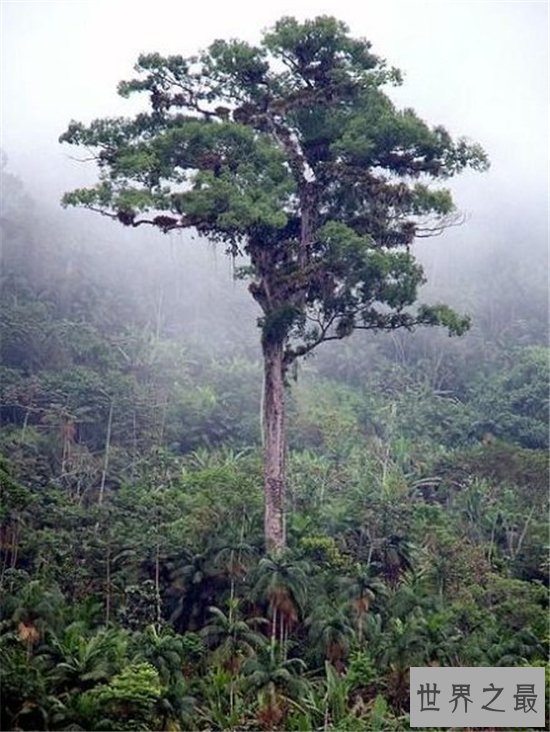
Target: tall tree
x: 290, y: 153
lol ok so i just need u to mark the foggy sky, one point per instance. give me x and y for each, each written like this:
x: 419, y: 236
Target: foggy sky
x: 478, y: 67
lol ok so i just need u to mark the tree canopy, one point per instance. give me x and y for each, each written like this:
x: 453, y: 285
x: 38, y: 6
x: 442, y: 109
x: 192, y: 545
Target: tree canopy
x: 291, y: 153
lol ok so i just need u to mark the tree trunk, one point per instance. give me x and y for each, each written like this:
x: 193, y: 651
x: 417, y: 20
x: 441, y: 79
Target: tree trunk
x: 274, y: 446
x: 107, y: 449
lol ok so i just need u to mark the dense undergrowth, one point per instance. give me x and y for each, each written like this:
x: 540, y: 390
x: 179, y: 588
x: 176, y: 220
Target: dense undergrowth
x: 136, y: 594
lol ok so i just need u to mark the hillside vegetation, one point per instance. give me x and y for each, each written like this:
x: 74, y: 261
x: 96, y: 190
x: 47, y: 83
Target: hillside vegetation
x: 135, y: 589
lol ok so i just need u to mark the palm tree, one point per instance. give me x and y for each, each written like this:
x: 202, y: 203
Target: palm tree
x: 396, y: 558
x: 276, y: 683
x: 282, y: 582
x: 36, y: 610
x: 413, y: 592
x: 194, y: 580
x: 234, y: 559
x: 361, y: 590
x: 78, y: 661
x: 232, y: 638
x: 404, y: 645
x: 332, y: 633
x: 443, y: 639
x: 165, y: 651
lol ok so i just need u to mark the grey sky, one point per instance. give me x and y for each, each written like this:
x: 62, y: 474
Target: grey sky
x: 478, y: 67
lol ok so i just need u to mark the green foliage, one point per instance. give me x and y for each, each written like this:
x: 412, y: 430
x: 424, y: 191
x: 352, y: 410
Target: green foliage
x: 233, y: 638
x: 291, y: 152
x: 361, y: 671
x: 23, y: 688
x: 129, y: 701
x: 14, y: 497
x: 415, y: 537
x: 323, y: 551
x: 513, y: 402
x: 501, y: 463
x: 138, y: 610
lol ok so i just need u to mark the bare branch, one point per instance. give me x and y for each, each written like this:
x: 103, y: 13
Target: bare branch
x: 435, y: 227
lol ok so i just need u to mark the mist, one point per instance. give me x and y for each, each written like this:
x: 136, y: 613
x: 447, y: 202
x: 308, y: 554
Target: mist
x: 195, y: 504
x: 481, y: 69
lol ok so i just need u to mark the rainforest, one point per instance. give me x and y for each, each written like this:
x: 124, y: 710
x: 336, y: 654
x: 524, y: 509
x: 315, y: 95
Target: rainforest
x: 161, y: 567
